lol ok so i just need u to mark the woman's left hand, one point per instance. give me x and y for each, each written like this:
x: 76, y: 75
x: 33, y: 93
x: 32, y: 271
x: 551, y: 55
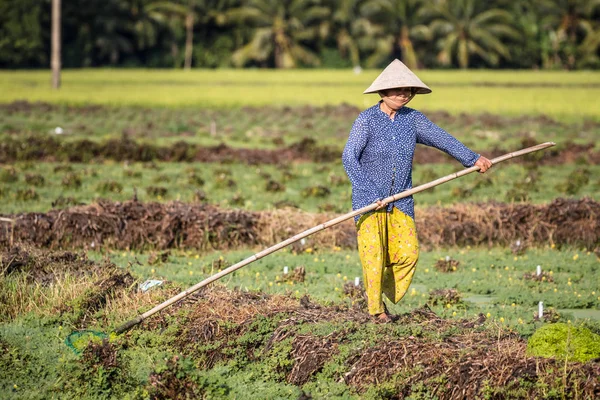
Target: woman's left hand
x: 483, y: 163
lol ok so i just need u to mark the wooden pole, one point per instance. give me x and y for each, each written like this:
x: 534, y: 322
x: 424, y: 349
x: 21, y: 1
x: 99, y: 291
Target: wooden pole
x: 318, y: 228
x: 12, y: 228
x: 55, y: 63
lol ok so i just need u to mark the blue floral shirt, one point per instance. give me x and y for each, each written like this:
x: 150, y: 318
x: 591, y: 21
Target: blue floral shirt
x: 379, y: 154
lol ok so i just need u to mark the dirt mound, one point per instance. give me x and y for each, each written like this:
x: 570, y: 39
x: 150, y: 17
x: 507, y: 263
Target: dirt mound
x: 445, y: 358
x: 125, y: 149
x: 563, y: 221
x: 42, y: 266
x: 157, y: 226
x: 307, y: 149
x: 133, y: 224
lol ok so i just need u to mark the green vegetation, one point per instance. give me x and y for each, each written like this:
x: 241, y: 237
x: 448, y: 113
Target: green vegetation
x: 491, y: 280
x: 322, y: 187
x: 285, y: 34
x: 511, y: 93
x: 227, y: 345
x: 565, y: 341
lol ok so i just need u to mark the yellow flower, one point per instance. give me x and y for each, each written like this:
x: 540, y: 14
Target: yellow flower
x: 569, y: 283
x: 152, y: 270
x: 513, y: 304
x: 337, y: 289
x: 474, y: 269
x: 339, y: 275
x: 454, y: 313
x: 448, y: 305
x: 575, y: 257
x: 347, y: 257
x: 316, y: 259
x: 345, y: 278
x: 520, y: 321
x: 488, y: 315
x: 196, y: 256
x: 552, y: 246
x: 191, y: 273
x: 426, y: 269
x: 506, y: 268
x: 308, y: 250
x: 270, y: 283
x: 257, y: 274
x: 555, y: 290
x: 189, y: 263
x: 501, y: 319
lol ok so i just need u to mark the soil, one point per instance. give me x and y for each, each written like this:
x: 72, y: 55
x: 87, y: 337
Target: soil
x: 17, y: 147
x: 35, y: 148
x: 160, y: 226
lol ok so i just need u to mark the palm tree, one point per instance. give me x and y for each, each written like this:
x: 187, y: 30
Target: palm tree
x: 347, y: 23
x: 397, y: 22
x: 465, y: 28
x: 55, y: 61
x: 281, y: 29
x: 190, y: 13
x: 571, y: 31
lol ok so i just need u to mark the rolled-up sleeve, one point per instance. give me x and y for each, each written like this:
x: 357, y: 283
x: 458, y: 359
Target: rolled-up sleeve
x: 364, y: 190
x: 432, y: 135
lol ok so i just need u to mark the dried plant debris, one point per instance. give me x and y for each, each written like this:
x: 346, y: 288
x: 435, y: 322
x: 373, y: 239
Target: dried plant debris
x: 420, y: 354
x: 160, y: 226
x: 447, y: 264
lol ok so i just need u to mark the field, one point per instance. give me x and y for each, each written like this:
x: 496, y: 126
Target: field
x: 126, y: 176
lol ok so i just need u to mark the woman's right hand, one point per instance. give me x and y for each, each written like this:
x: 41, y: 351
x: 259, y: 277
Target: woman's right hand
x: 380, y: 204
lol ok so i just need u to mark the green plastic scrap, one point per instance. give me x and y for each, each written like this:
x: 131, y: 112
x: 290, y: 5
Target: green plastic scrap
x: 78, y: 340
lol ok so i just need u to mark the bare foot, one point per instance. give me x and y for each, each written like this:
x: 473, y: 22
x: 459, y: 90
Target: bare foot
x: 382, y: 318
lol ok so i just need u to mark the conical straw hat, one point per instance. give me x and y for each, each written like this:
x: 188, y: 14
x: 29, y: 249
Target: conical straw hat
x: 397, y: 75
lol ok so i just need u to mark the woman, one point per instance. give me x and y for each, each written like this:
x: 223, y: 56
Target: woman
x: 378, y: 160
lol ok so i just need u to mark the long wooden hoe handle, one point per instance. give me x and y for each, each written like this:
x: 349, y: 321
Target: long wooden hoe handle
x: 126, y: 326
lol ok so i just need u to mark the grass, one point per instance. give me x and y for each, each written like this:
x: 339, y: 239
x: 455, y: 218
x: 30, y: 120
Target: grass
x: 454, y: 91
x: 491, y: 280
x: 240, y: 186
x: 268, y: 127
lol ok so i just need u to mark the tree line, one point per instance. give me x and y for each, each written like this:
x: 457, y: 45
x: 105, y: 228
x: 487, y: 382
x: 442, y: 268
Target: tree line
x: 544, y: 34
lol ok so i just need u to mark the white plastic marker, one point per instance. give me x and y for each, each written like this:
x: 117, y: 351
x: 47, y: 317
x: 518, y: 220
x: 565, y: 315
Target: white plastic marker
x: 356, y: 281
x: 285, y: 270
x: 541, y: 310
x: 133, y: 322
x: 539, y: 270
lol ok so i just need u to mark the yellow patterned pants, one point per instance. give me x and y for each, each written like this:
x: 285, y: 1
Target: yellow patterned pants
x: 389, y: 250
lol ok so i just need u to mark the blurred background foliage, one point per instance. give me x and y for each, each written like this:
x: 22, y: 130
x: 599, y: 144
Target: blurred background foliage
x: 541, y: 34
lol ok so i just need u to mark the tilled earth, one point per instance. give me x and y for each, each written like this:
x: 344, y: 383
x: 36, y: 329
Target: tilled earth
x: 35, y: 148
x: 137, y: 125
x: 136, y: 225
